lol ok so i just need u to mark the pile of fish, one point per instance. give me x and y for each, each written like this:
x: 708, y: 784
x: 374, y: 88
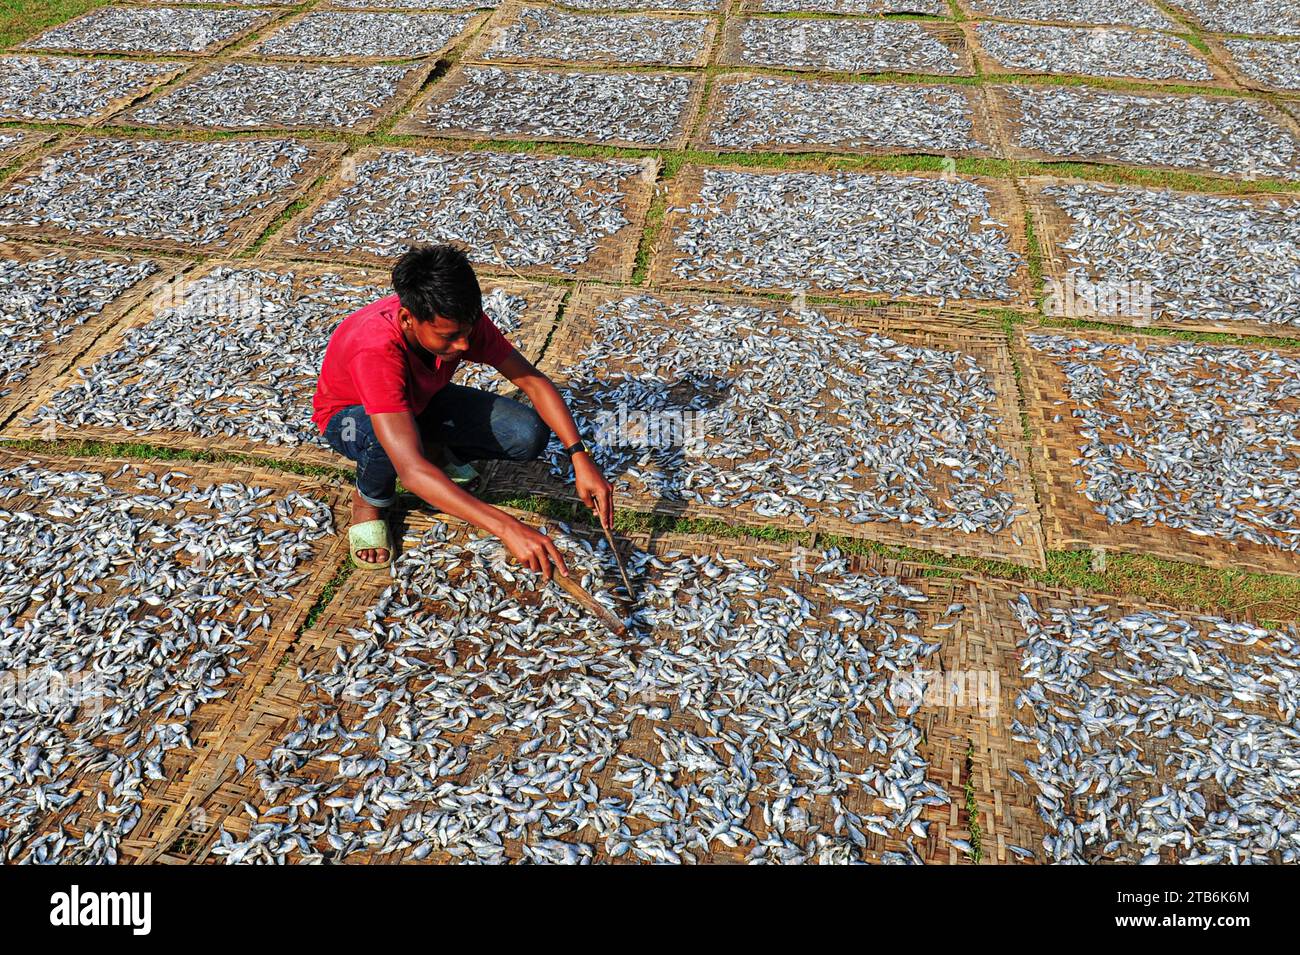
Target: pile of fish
x: 404, y: 4
x: 765, y: 112
x: 847, y: 232
x: 148, y: 30
x: 1022, y: 47
x: 238, y: 356
x: 1265, y: 17
x: 1162, y: 738
x: 1134, y: 13
x: 1266, y: 61
x: 681, y: 6
x: 508, y: 208
x: 124, y: 608
x: 478, y: 717
x: 257, y: 95
x: 647, y: 109
x: 54, y: 88
x: 1204, y: 438
x: 1206, y: 258
x: 850, y: 46
x: 1236, y: 137
x: 331, y: 34
x: 543, y: 33
x: 173, y: 189
x: 870, y: 429
x: 48, y: 298
x: 934, y: 8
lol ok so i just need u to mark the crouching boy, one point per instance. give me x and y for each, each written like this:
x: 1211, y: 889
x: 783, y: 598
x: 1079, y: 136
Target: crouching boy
x: 384, y: 400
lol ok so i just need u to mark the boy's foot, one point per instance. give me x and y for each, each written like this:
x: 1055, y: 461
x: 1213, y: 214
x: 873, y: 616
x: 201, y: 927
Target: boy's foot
x: 363, y: 512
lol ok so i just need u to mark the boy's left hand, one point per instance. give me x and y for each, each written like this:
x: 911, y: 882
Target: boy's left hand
x: 593, y: 490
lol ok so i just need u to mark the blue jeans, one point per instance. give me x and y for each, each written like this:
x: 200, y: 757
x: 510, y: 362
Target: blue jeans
x: 473, y: 425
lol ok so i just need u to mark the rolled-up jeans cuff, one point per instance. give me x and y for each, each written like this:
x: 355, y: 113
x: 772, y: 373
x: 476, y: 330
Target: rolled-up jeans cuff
x: 374, y: 502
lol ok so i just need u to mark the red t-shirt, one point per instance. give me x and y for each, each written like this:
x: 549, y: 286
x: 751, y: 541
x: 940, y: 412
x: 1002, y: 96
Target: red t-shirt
x: 368, y: 363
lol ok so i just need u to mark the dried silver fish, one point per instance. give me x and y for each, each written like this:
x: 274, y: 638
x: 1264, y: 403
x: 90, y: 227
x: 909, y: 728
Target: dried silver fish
x: 640, y: 109
x: 1270, y: 62
x: 1265, y: 17
x: 1200, y: 438
x: 544, y: 33
x: 851, y: 46
x: 283, y: 96
x: 896, y: 235
x: 149, y: 30
x: 1102, y: 51
x: 1234, y: 137
x: 1133, y: 13
x: 326, y: 34
x: 773, y: 112
x: 68, y: 88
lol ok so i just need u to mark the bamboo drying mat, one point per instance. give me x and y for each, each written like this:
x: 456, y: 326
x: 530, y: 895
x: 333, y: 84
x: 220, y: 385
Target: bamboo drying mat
x: 989, y: 67
x: 274, y: 714
x: 241, y: 230
x: 433, y: 56
x: 925, y: 327
x: 538, y: 318
x: 982, y: 128
x: 506, y: 16
x: 1220, y: 51
x: 1053, y: 228
x: 417, y: 122
x: 732, y: 52
x: 1005, y: 207
x: 613, y: 260
x: 166, y: 802
x: 986, y: 641
x: 1008, y: 117
x: 272, y: 16
x: 1071, y: 521
x: 406, y: 87
x: 56, y: 357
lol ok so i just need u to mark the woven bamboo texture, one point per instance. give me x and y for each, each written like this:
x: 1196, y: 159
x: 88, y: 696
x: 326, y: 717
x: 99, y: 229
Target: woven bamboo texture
x: 732, y: 52
x: 1005, y: 207
x: 275, y: 712
x: 985, y: 641
x: 982, y: 129
x: 417, y: 121
x: 1223, y: 55
x: 433, y: 56
x: 273, y: 16
x: 613, y: 259
x: 991, y: 67
x: 1008, y: 118
x: 536, y: 323
x: 241, y: 232
x: 1071, y: 521
x: 171, y: 804
x: 379, y: 112
x: 28, y: 142
x: 1053, y: 227
x: 56, y: 357
x: 507, y: 14
x: 923, y: 327
x: 972, y: 12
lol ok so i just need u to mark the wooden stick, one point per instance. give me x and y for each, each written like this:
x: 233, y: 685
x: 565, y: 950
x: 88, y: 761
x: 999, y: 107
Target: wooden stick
x: 618, y: 559
x: 597, y: 610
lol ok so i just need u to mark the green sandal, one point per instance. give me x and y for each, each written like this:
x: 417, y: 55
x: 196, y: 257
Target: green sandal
x: 370, y: 535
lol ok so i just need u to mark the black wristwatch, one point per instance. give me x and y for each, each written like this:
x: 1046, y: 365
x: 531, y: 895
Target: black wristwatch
x: 575, y: 448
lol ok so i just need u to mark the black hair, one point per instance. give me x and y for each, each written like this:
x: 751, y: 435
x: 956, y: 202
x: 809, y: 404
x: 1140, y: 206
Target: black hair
x: 433, y: 280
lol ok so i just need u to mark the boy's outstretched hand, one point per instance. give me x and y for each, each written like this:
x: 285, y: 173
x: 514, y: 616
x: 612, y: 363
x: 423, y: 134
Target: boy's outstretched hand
x: 593, y: 490
x: 533, y: 549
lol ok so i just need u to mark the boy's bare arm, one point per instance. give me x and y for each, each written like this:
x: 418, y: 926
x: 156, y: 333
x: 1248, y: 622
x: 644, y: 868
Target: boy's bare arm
x: 593, y: 490
x: 400, y: 436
